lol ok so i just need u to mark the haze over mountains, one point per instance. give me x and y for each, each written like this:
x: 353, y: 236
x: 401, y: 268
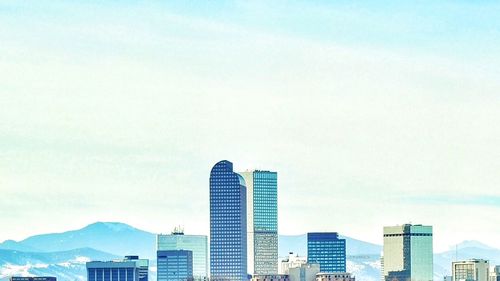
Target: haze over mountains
x: 64, y: 254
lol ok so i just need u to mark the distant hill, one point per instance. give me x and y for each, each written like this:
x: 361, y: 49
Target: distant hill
x: 64, y: 254
x: 463, y: 251
x: 112, y: 237
x: 66, y: 265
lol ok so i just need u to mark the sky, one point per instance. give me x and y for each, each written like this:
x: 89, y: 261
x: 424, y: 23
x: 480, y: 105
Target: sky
x: 373, y: 113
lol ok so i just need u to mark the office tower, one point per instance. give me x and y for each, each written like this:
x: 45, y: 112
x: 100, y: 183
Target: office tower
x: 228, y: 224
x: 262, y: 221
x: 174, y: 265
x: 495, y: 274
x: 340, y: 276
x: 408, y: 253
x: 293, y: 260
x: 270, y: 277
x: 471, y: 270
x: 142, y: 264
x: 36, y: 278
x: 304, y: 272
x: 118, y: 270
x: 195, y: 243
x: 327, y: 249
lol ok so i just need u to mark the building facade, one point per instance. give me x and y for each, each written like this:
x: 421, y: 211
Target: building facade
x: 304, y: 272
x: 495, y: 273
x: 328, y: 250
x: 143, y: 266
x: 174, y: 265
x: 293, y: 260
x: 270, y: 277
x: 194, y: 243
x: 262, y: 221
x: 119, y: 270
x: 228, y: 224
x: 35, y: 278
x: 471, y: 270
x: 339, y: 276
x: 408, y: 253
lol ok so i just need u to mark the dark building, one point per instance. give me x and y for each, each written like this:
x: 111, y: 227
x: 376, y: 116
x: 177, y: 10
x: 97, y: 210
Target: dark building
x: 129, y: 269
x: 174, y: 265
x: 228, y: 224
x: 41, y: 278
x: 327, y: 250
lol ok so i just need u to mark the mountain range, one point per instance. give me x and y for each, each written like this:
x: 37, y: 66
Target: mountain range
x: 64, y: 254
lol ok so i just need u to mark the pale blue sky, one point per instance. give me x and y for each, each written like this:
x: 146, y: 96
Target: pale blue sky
x: 373, y: 113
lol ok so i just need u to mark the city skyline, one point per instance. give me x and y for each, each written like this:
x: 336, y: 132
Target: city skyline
x: 118, y: 103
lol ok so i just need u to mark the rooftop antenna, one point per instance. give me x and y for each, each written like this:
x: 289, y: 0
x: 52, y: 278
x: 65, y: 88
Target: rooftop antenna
x: 178, y: 230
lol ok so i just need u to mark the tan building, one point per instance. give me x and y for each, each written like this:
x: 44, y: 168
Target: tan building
x: 270, y: 277
x: 471, y: 270
x: 304, y: 272
x: 338, y: 276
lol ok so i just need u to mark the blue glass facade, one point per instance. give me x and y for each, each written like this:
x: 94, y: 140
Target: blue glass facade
x: 328, y: 250
x: 112, y: 271
x: 174, y: 265
x: 228, y: 224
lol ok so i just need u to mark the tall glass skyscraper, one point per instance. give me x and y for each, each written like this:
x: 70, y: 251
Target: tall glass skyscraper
x: 228, y: 224
x: 408, y: 253
x: 198, y: 244
x: 262, y: 221
x: 327, y: 249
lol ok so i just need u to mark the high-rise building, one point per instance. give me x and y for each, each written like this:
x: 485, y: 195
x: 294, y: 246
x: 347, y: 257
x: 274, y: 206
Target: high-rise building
x: 293, y: 260
x: 174, y: 265
x: 195, y: 243
x: 118, y: 270
x: 328, y: 250
x: 471, y: 270
x: 304, y: 272
x: 495, y: 273
x: 339, y: 276
x: 408, y: 253
x: 34, y: 278
x: 228, y: 224
x: 262, y: 221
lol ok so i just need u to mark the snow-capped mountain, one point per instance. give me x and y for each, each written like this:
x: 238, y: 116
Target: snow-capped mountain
x: 64, y: 254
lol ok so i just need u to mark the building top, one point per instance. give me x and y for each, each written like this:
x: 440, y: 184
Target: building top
x: 33, y: 278
x: 322, y: 235
x: 413, y: 230
x: 128, y: 261
x: 472, y: 261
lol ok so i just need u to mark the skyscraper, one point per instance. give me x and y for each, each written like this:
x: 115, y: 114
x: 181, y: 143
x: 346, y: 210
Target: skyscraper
x: 408, y: 253
x: 195, y: 243
x: 228, y: 224
x: 262, y: 221
x: 327, y: 249
x: 175, y: 265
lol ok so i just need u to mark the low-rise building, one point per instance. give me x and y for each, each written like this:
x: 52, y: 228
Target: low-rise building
x: 293, y: 260
x: 495, y: 273
x: 304, y: 272
x: 35, y: 278
x: 336, y: 276
x: 270, y: 277
x: 471, y: 270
